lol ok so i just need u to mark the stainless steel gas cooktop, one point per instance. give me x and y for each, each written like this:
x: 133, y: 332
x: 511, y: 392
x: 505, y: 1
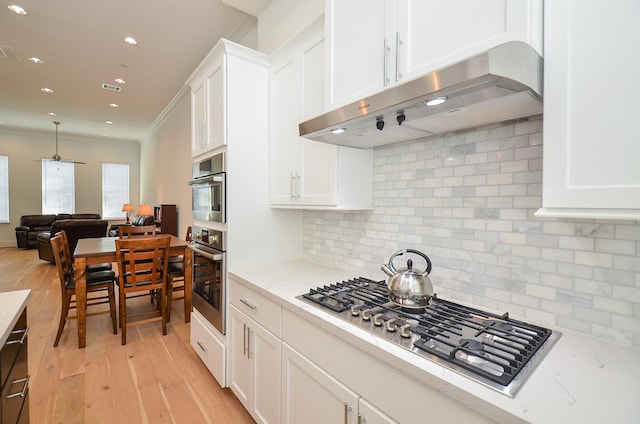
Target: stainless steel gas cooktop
x: 495, y: 350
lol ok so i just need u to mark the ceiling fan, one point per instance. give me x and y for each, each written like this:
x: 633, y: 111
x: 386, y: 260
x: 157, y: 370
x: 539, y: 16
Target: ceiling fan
x: 57, y: 157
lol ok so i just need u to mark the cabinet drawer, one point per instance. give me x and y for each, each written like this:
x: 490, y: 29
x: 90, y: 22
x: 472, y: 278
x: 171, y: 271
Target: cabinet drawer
x: 209, y: 348
x: 264, y: 311
x: 16, y: 389
x: 12, y: 346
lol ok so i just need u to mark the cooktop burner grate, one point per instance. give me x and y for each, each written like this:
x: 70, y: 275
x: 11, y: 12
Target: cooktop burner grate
x: 485, y: 346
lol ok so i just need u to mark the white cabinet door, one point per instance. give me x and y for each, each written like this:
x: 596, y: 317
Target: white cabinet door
x: 373, y: 44
x: 369, y: 414
x: 318, y: 179
x: 285, y: 145
x: 360, y: 37
x: 255, y: 368
x: 591, y: 149
x: 198, y: 106
x: 311, y: 396
x: 460, y: 28
x: 240, y: 365
x: 216, y: 104
x: 264, y: 352
x: 306, y: 173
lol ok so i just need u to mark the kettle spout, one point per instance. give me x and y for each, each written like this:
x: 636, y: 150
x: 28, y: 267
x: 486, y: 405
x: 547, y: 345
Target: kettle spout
x: 387, y: 270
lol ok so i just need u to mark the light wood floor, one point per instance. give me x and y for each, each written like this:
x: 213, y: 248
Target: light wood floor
x: 152, y: 379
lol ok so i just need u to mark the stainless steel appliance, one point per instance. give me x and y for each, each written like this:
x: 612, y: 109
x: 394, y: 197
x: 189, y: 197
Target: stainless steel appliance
x: 209, y: 189
x: 495, y: 350
x: 502, y: 83
x: 209, y: 275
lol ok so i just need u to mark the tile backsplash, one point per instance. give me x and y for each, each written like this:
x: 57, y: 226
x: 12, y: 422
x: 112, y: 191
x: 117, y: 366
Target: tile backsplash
x: 468, y: 200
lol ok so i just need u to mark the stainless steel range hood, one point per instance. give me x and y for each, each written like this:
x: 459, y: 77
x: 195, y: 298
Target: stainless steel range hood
x: 500, y: 84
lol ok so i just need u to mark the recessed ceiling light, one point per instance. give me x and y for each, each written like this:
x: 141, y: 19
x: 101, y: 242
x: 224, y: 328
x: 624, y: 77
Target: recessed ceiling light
x: 17, y: 9
x: 46, y: 90
x: 108, y: 122
x: 120, y: 81
x: 131, y: 41
x: 36, y: 60
x: 114, y: 105
x: 338, y: 130
x: 52, y: 114
x: 436, y: 101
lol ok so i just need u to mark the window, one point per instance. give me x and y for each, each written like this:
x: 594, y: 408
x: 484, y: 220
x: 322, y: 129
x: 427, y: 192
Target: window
x: 4, y: 188
x: 58, y: 187
x: 115, y: 189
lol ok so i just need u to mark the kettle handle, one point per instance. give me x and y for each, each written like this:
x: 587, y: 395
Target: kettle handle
x: 417, y: 252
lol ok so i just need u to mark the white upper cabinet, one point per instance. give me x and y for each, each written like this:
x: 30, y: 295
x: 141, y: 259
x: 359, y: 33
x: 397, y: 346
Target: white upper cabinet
x: 207, y: 106
x: 591, y: 148
x: 372, y: 44
x: 305, y: 173
x: 212, y: 93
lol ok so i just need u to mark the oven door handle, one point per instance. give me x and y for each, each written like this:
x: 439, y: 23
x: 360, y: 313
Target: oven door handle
x: 211, y: 256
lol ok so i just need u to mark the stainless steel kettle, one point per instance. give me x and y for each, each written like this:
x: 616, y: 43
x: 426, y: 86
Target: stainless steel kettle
x: 409, y: 288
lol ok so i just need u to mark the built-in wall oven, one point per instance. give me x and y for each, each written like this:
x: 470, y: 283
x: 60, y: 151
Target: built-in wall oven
x: 209, y: 275
x: 208, y: 189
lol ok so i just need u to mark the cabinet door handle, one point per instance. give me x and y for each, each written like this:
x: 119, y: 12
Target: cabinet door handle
x: 23, y: 392
x: 201, y: 346
x: 244, y: 339
x: 248, y: 342
x: 292, y: 193
x: 22, y: 339
x: 385, y: 72
x: 347, y: 408
x: 250, y: 305
x: 297, y: 185
x: 205, y: 141
x: 398, y: 43
x: 360, y: 419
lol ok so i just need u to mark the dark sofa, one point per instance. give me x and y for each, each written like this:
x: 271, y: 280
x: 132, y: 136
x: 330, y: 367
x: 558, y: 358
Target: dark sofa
x: 75, y: 229
x: 32, y: 225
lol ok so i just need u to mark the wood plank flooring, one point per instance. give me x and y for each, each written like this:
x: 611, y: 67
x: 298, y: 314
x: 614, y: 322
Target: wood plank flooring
x: 152, y: 379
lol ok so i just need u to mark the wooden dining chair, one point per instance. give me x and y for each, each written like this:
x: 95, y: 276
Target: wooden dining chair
x: 136, y: 230
x: 90, y: 268
x: 142, y: 268
x: 175, y: 282
x: 97, y: 282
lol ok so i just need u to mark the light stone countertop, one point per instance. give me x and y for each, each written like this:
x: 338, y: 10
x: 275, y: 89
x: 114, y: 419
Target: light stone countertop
x: 581, y: 379
x: 11, y: 306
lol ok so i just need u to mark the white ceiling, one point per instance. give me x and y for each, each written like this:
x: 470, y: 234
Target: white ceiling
x: 81, y: 45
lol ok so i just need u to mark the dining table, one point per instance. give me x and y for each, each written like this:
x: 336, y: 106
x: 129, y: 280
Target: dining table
x: 90, y: 251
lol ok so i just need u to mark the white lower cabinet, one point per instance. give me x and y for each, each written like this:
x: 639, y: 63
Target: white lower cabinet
x: 254, y: 370
x: 311, y: 396
x: 369, y: 414
x: 314, y: 359
x: 209, y: 347
x: 285, y: 369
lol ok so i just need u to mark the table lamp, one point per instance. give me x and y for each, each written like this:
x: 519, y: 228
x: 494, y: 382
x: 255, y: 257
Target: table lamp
x: 128, y: 208
x: 145, y: 209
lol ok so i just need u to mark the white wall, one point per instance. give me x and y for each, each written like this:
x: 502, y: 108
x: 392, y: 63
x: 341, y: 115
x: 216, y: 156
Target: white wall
x: 24, y: 148
x: 165, y: 165
x: 282, y: 19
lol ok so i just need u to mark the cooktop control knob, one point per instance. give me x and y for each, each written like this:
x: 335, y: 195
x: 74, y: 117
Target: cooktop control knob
x: 355, y: 310
x: 405, y: 330
x: 377, y: 320
x: 391, y: 325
